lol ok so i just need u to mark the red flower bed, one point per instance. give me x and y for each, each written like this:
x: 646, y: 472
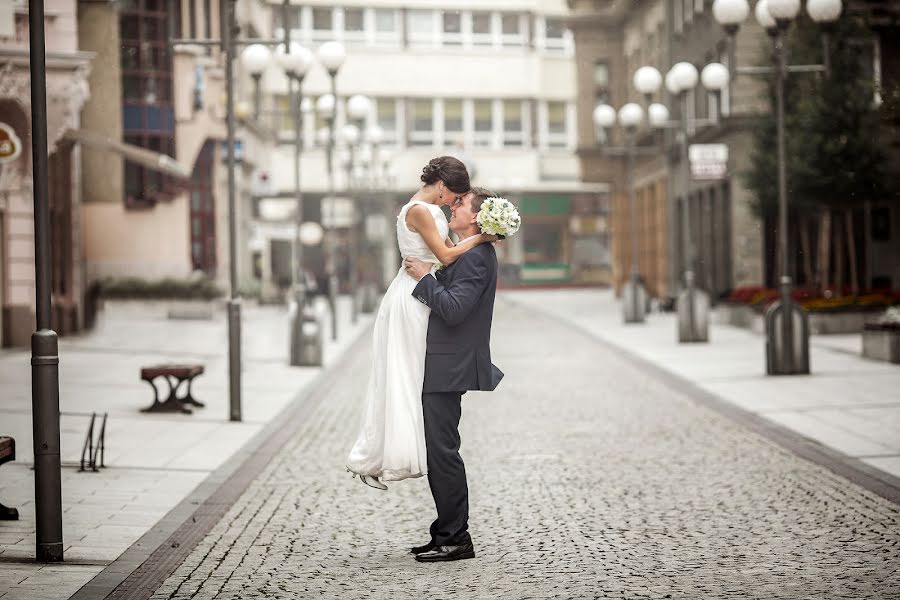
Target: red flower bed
x: 813, y: 300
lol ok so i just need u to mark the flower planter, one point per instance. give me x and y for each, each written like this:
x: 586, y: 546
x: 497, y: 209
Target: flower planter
x: 882, y: 342
x: 161, y: 308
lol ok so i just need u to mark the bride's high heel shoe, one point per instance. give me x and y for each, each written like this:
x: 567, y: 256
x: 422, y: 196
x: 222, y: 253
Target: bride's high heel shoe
x: 372, y: 482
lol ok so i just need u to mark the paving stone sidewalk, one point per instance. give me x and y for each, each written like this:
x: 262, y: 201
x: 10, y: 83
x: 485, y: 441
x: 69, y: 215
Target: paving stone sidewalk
x: 153, y: 461
x: 588, y: 479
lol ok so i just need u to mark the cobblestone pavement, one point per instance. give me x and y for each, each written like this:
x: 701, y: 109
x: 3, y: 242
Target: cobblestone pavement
x: 587, y: 480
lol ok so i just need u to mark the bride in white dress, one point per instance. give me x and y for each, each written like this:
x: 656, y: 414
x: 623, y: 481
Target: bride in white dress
x: 391, y: 441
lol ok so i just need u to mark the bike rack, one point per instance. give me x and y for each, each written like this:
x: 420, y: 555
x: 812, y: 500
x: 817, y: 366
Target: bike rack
x: 91, y: 451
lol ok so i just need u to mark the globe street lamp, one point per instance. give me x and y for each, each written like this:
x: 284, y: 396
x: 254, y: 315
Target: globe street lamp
x: 629, y: 117
x: 331, y: 56
x: 787, y: 347
x: 255, y: 58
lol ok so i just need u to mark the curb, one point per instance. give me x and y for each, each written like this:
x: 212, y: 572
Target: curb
x: 146, y: 564
x: 867, y: 477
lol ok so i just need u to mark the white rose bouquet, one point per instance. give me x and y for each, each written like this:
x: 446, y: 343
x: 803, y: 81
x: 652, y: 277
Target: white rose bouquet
x: 498, y: 217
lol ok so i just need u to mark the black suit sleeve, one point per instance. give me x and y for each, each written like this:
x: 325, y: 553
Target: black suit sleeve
x: 453, y: 303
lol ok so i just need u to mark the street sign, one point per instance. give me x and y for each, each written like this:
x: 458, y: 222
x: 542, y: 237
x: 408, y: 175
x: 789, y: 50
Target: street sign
x: 10, y: 144
x: 709, y: 162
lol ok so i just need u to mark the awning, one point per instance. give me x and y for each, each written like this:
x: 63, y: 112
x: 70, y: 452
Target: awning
x: 136, y: 154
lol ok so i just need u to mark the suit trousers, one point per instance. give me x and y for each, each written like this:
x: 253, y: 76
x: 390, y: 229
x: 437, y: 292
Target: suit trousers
x: 446, y: 471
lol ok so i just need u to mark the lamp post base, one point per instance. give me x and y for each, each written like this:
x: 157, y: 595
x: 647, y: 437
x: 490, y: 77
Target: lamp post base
x: 693, y: 316
x: 634, y: 301
x: 787, y: 339
x: 306, y: 334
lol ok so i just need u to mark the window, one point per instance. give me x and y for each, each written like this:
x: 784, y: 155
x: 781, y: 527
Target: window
x: 601, y: 75
x: 284, y: 117
x: 688, y: 11
x: 148, y: 118
x: 386, y: 110
x: 387, y: 26
x: 513, y: 130
x: 420, y: 25
x: 698, y: 6
x: 484, y: 122
x: 453, y: 122
x: 554, y: 34
x: 322, y: 24
x: 512, y: 29
x: 422, y: 119
x: 354, y: 26
x: 482, y: 34
x: 678, y: 17
x: 556, y: 125
x: 452, y: 28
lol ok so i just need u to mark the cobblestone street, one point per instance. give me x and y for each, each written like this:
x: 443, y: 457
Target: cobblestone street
x: 587, y: 479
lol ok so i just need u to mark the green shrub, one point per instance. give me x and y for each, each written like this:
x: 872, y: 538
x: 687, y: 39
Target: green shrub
x: 162, y: 289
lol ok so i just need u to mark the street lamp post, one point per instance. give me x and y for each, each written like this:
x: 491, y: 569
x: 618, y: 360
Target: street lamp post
x: 350, y: 136
x: 44, y: 341
x: 634, y: 296
x: 375, y: 136
x: 787, y: 330
x: 359, y: 108
x: 331, y: 55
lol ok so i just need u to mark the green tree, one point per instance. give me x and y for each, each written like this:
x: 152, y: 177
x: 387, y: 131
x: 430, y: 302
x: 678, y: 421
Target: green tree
x: 834, y: 142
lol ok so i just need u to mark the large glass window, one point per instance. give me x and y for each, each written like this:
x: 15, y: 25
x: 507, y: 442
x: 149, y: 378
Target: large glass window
x: 452, y: 28
x: 387, y: 26
x: 513, y: 127
x: 386, y: 110
x: 354, y: 26
x: 453, y: 122
x: 556, y: 125
x: 484, y: 122
x: 322, y: 24
x: 422, y: 119
x: 148, y: 118
x: 512, y: 27
x: 420, y: 26
x: 555, y: 34
x: 482, y: 33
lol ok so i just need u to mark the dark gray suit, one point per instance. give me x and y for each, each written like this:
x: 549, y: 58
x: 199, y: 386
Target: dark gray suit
x: 457, y: 359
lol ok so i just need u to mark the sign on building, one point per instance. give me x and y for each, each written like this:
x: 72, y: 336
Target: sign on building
x: 10, y: 144
x: 709, y: 162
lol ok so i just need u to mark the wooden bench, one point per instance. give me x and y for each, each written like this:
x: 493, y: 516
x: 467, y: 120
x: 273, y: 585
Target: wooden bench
x: 7, y: 454
x: 175, y: 376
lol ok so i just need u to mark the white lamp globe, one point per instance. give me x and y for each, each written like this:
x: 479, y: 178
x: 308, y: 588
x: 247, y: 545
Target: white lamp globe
x: 325, y: 106
x: 714, y: 77
x: 296, y: 62
x: 332, y: 55
x: 350, y: 134
x: 323, y: 136
x: 730, y: 12
x: 375, y: 134
x: 784, y: 10
x: 824, y: 11
x: 604, y: 116
x: 631, y: 115
x: 359, y: 107
x: 647, y: 80
x: 686, y: 76
x: 255, y: 58
x: 763, y: 17
x: 672, y: 82
x: 657, y: 114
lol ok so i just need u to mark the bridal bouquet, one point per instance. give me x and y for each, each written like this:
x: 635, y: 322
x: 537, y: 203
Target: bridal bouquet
x: 499, y: 217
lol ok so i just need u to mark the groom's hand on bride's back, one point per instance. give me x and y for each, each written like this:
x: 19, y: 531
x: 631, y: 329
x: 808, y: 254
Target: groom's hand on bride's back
x: 415, y: 268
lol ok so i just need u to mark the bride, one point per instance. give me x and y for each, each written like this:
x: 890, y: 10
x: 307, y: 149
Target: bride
x: 391, y: 441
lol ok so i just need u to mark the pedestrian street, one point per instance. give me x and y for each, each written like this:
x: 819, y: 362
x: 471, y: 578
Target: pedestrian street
x: 588, y: 478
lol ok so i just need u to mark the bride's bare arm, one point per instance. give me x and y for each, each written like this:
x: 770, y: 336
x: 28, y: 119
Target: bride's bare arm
x: 420, y: 220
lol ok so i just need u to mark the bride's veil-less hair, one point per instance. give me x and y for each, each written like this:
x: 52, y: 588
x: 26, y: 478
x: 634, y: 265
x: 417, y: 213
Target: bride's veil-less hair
x: 449, y: 170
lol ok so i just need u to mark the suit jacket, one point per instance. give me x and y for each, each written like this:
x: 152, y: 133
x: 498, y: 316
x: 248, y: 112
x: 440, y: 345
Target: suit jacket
x: 458, y: 354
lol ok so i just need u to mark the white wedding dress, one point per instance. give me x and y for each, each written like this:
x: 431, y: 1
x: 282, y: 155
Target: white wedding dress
x: 391, y: 441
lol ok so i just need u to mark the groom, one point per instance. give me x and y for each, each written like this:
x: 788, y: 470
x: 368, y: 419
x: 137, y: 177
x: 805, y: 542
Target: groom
x: 457, y: 359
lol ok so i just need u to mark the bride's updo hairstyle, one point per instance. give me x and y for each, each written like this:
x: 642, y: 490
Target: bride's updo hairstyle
x: 449, y: 170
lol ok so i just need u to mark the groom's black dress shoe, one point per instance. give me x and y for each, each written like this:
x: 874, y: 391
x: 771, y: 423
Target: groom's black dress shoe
x: 442, y: 553
x: 426, y: 548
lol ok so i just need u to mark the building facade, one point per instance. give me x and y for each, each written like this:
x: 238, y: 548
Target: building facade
x: 141, y: 220
x: 67, y: 90
x: 492, y: 82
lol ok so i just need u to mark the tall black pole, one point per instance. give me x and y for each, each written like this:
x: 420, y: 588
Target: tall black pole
x: 689, y: 257
x: 44, y: 343
x: 787, y: 333
x: 330, y: 233
x: 234, y: 301
x: 632, y: 226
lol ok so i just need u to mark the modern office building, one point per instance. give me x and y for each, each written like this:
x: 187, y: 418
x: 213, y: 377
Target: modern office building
x: 492, y: 82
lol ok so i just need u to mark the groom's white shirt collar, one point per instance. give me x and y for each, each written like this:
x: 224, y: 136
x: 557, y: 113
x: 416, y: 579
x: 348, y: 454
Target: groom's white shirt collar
x: 468, y: 238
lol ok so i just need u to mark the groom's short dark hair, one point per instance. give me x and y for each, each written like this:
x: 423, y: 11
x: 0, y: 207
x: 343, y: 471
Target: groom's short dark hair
x: 479, y: 195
